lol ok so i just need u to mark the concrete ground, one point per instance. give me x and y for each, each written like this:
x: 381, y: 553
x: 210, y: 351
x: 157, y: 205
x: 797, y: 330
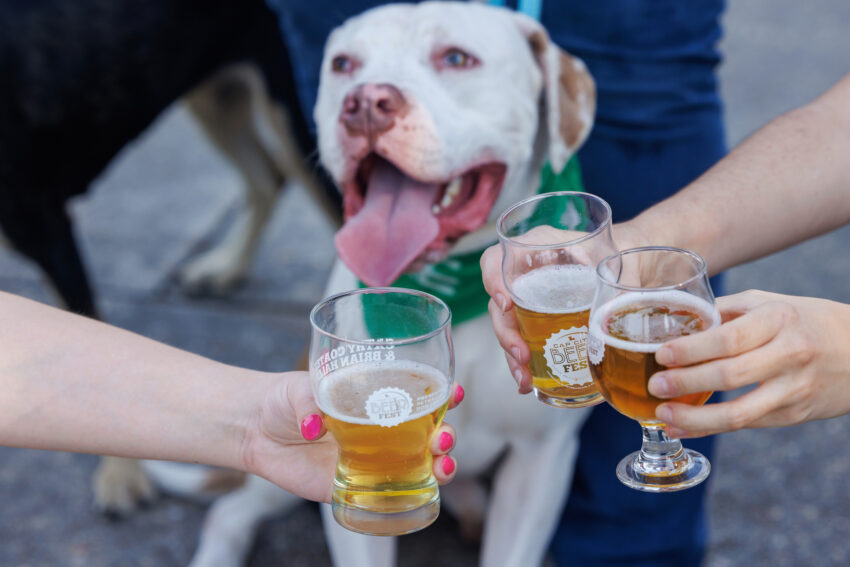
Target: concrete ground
x: 777, y: 497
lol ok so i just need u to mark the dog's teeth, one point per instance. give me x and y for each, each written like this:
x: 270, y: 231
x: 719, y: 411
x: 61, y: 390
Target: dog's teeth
x: 454, y: 187
x: 447, y: 200
x: 435, y: 209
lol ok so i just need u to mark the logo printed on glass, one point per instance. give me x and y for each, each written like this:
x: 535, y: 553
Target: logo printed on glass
x: 388, y: 407
x: 595, y: 349
x: 566, y: 356
x: 345, y: 355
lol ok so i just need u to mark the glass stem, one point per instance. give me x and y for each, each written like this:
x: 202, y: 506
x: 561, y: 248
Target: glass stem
x: 659, y: 454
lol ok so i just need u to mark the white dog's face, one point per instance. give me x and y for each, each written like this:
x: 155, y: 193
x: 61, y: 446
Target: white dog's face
x: 429, y: 120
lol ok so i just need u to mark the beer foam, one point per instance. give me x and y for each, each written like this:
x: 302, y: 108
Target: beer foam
x: 672, y: 298
x: 343, y: 394
x: 560, y: 288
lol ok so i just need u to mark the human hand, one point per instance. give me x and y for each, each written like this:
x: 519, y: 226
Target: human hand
x: 286, y: 443
x: 501, y: 306
x: 795, y: 349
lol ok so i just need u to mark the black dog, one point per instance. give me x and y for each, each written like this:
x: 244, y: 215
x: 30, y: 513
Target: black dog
x: 81, y: 78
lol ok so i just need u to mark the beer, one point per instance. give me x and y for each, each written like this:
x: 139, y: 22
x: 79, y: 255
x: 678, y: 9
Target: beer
x: 625, y: 336
x: 382, y: 416
x: 553, y: 306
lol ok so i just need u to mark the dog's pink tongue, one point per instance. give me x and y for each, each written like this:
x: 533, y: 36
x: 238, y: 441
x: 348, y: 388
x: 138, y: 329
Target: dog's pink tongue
x: 394, y: 226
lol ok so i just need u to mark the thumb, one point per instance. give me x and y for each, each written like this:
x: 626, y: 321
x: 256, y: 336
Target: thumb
x: 299, y: 395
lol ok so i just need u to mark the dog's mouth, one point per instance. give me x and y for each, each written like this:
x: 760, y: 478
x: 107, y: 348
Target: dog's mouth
x: 395, y: 223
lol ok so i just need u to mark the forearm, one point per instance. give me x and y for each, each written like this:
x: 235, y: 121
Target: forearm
x: 71, y: 383
x: 788, y: 182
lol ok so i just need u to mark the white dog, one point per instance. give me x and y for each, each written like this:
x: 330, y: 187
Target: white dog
x: 432, y: 118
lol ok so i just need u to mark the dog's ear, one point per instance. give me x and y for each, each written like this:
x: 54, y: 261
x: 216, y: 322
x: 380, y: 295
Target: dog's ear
x: 569, y: 93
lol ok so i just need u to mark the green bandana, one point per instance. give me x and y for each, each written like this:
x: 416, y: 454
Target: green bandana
x: 457, y: 279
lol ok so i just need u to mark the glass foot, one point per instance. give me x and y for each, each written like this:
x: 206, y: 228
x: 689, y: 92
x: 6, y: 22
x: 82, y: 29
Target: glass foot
x: 687, y: 470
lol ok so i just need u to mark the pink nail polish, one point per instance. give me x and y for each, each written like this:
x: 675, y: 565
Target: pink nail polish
x: 446, y: 441
x: 311, y: 426
x: 448, y: 466
x: 459, y: 394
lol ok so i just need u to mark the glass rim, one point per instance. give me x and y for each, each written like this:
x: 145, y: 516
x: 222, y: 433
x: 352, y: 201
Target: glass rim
x: 508, y: 240
x: 382, y: 290
x: 700, y: 262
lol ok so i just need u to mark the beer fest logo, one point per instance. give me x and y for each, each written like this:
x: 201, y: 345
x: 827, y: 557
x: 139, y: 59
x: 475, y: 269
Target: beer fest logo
x: 566, y: 356
x: 388, y: 407
x: 595, y: 349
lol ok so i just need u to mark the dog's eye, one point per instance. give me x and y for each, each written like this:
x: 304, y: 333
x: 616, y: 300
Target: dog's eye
x: 342, y: 64
x: 454, y: 58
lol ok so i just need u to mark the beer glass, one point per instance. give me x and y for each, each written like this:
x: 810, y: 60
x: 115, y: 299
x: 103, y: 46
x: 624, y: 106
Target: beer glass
x: 381, y: 366
x: 646, y: 296
x: 551, y: 244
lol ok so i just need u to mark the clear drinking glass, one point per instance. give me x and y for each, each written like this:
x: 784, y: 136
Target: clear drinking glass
x: 381, y: 366
x: 646, y: 296
x: 551, y: 244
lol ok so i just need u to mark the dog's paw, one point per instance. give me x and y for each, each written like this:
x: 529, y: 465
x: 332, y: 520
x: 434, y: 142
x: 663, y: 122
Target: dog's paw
x: 214, y: 272
x: 121, y: 486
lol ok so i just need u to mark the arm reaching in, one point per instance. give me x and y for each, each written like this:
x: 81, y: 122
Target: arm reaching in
x: 70, y: 383
x: 788, y: 182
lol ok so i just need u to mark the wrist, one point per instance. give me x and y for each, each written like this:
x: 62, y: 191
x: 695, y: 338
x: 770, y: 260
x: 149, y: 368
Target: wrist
x: 244, y: 398
x: 630, y: 234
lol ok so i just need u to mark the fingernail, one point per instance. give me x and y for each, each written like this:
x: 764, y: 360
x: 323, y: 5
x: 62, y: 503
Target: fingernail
x: 311, y: 426
x: 515, y: 353
x: 659, y: 386
x: 459, y: 394
x: 448, y: 465
x: 446, y: 441
x: 518, y: 376
x: 665, y: 356
x: 501, y: 302
x: 664, y: 413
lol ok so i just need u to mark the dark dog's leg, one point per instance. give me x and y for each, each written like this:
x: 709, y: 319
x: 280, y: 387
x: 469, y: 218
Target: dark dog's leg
x: 43, y: 233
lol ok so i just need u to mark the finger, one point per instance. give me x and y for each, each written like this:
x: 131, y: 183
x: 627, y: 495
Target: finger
x: 456, y: 396
x: 745, y: 333
x: 506, y: 327
x: 443, y: 440
x: 491, y: 273
x: 299, y: 396
x: 737, y: 304
x: 445, y: 469
x: 696, y: 421
x: 724, y: 374
x: 520, y: 373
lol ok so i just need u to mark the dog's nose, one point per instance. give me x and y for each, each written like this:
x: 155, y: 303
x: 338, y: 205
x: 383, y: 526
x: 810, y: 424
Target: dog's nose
x: 371, y: 108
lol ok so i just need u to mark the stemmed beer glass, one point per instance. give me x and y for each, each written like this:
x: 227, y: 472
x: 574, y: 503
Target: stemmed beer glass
x: 551, y: 244
x: 381, y: 367
x: 644, y: 297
